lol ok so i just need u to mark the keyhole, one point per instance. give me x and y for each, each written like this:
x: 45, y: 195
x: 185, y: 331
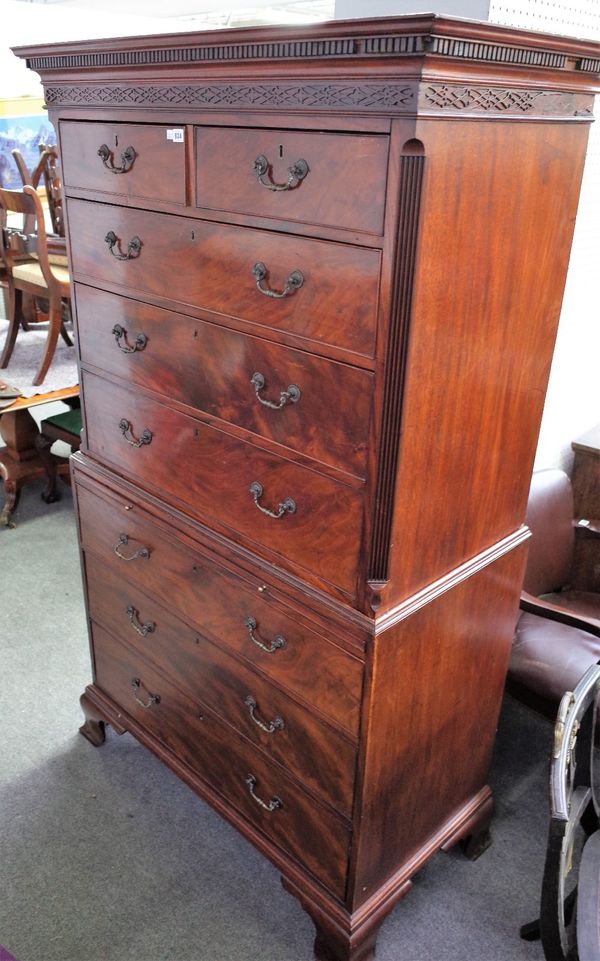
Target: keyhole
x: 195, y: 334
x: 116, y: 140
x: 196, y: 433
x: 280, y: 151
x: 193, y: 235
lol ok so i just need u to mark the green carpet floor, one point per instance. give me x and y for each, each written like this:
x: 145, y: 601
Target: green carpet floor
x: 106, y: 856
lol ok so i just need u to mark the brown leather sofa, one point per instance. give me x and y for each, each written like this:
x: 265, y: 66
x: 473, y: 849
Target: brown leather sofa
x: 558, y: 632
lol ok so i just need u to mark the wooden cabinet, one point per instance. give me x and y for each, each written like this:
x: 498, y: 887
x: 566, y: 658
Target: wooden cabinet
x: 317, y: 276
x: 586, y: 474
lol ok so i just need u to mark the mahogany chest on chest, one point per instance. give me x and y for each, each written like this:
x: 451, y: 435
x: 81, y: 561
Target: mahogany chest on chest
x: 317, y: 274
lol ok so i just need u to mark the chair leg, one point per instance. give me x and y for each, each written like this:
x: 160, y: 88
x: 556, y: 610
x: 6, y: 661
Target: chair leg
x: 64, y: 335
x: 54, y: 322
x: 14, y: 313
x: 66, y: 319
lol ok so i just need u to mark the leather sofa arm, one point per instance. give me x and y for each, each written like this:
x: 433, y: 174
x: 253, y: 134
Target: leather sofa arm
x: 536, y: 605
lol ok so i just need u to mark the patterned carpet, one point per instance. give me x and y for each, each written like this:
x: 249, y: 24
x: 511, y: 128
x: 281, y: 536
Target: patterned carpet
x: 26, y: 359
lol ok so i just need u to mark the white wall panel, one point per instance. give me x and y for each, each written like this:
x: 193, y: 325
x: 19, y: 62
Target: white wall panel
x: 573, y: 400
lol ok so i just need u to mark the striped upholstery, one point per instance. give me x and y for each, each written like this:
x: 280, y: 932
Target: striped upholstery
x: 55, y: 260
x: 32, y: 273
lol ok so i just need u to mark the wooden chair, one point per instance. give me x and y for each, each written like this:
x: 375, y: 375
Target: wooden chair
x: 46, y: 171
x: 53, y: 184
x: 569, y: 925
x: 35, y: 276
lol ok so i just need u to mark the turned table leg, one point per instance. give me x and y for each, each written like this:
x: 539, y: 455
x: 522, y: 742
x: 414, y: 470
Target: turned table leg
x: 24, y: 458
x: 19, y: 460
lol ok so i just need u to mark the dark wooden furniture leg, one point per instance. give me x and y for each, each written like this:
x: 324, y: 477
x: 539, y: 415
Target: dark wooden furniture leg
x: 94, y: 727
x: 43, y: 445
x: 341, y: 936
x: 19, y: 460
x: 329, y: 946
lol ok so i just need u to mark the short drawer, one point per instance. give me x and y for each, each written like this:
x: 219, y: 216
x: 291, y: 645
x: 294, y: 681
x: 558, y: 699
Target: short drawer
x: 308, y: 403
x: 131, y: 160
x: 330, y: 179
x: 222, y: 606
x: 320, y: 758
x: 307, y: 831
x: 313, y: 521
x: 214, y: 267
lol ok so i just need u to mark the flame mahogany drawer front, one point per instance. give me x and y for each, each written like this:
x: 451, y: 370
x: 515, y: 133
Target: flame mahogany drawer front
x: 322, y: 408
x: 320, y: 758
x: 241, y: 773
x: 223, y: 607
x: 302, y: 176
x: 296, y: 513
x: 328, y: 291
x: 131, y: 160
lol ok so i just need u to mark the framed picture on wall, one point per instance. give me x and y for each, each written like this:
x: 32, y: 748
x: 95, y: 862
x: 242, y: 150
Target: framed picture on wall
x: 23, y: 124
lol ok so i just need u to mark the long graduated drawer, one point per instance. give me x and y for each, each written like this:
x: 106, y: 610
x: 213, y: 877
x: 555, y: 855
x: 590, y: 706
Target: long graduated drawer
x: 318, y: 756
x: 226, y: 760
x: 223, y: 607
x: 285, y: 509
x: 311, y: 404
x: 328, y: 292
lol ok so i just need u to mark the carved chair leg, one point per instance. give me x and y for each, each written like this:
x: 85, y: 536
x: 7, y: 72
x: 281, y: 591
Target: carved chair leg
x: 94, y: 727
x: 43, y: 445
x: 54, y: 324
x: 65, y: 313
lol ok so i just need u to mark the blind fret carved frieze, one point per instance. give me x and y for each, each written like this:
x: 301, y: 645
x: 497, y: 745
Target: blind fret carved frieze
x: 394, y: 98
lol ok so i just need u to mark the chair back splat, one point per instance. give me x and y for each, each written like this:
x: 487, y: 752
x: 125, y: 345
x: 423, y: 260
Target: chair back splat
x: 29, y: 271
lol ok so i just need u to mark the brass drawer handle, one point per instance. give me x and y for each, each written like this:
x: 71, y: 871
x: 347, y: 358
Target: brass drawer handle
x: 290, y: 396
x: 293, y: 282
x: 133, y: 247
x: 277, y: 724
x: 125, y: 428
x: 271, y: 805
x: 152, y: 698
x: 277, y: 644
x: 121, y: 333
x: 296, y: 173
x: 142, y: 552
x: 142, y: 629
x: 287, y: 506
x: 127, y: 158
